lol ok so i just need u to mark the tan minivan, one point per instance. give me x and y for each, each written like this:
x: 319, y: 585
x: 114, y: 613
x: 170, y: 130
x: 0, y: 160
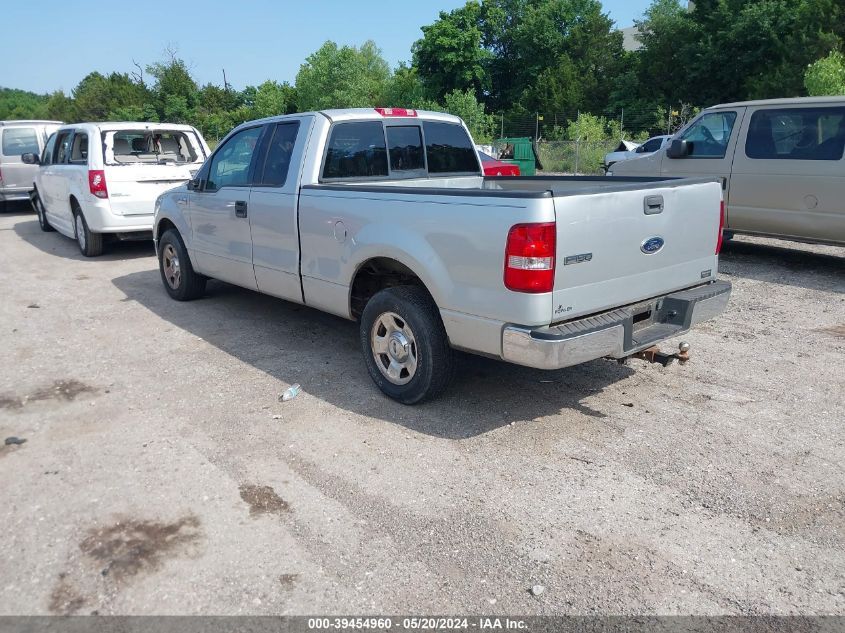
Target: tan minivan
x: 17, y: 138
x: 780, y: 161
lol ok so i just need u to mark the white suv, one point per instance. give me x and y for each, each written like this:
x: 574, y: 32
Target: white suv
x: 103, y: 178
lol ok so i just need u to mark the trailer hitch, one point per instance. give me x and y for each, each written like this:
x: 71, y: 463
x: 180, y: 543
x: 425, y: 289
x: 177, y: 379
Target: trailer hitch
x: 654, y: 355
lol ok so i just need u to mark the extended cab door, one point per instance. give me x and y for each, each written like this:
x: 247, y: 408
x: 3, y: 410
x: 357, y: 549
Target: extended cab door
x: 273, y: 204
x: 713, y: 136
x: 219, y: 211
x: 789, y: 172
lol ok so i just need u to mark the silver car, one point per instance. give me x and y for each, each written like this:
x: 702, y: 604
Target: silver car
x: 17, y: 138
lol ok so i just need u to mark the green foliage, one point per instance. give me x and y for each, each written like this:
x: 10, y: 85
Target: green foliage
x: 342, y: 77
x: 20, y: 104
x: 97, y: 95
x: 481, y: 125
x: 826, y: 77
x: 450, y: 55
x: 272, y: 98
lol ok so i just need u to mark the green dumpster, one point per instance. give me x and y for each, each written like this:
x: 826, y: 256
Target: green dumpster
x: 521, y: 151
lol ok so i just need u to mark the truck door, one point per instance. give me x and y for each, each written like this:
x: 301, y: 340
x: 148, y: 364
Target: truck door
x: 219, y: 211
x: 713, y: 136
x: 273, y: 203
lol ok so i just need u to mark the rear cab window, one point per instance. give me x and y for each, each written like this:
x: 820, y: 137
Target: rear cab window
x: 157, y: 146
x: 19, y: 140
x: 375, y: 150
x: 796, y: 134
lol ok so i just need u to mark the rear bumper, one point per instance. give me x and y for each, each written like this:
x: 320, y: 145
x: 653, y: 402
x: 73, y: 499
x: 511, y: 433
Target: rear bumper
x: 18, y: 193
x: 617, y: 333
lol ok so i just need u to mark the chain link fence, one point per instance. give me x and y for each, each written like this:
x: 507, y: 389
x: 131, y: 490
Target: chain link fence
x: 577, y: 142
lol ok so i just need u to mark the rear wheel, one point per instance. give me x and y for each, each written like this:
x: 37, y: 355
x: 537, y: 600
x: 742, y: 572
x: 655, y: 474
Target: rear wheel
x: 42, y: 214
x: 177, y: 272
x: 90, y: 243
x: 405, y: 344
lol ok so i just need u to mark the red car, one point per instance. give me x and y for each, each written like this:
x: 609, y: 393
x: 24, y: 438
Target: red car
x: 494, y: 167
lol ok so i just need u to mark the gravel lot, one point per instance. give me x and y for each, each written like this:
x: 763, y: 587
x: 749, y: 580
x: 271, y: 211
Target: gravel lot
x: 160, y: 474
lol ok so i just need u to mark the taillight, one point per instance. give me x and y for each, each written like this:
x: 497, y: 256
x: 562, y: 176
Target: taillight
x: 721, y: 227
x: 530, y: 257
x: 396, y: 112
x: 97, y: 183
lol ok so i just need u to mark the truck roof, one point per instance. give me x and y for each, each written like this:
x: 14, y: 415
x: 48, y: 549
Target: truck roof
x: 357, y: 114
x: 797, y: 101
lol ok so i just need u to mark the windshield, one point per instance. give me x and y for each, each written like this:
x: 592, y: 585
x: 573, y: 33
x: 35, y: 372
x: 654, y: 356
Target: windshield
x: 150, y: 147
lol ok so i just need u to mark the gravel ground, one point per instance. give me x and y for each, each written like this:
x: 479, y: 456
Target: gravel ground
x: 160, y: 474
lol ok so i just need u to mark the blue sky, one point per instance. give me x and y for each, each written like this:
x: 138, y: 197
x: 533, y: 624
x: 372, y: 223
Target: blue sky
x: 46, y: 49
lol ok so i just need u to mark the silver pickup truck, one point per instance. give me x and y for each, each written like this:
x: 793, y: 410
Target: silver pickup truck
x: 383, y: 216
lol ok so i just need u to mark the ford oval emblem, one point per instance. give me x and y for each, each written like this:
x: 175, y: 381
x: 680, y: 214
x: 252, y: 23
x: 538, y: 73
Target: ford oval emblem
x: 652, y: 245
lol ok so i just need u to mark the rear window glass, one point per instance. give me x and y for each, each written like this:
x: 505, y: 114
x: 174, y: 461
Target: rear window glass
x: 449, y: 149
x: 19, y: 140
x: 405, y: 148
x: 797, y: 134
x: 356, y: 150
x: 149, y: 146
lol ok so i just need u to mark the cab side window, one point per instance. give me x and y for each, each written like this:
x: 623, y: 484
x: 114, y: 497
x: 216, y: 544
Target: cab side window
x: 230, y: 164
x: 796, y: 134
x: 47, y: 154
x: 79, y: 149
x: 62, y: 147
x: 710, y: 135
x: 274, y: 172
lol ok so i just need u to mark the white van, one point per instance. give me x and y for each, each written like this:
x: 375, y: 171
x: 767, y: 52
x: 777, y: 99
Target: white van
x: 103, y: 178
x: 780, y: 161
x: 18, y: 138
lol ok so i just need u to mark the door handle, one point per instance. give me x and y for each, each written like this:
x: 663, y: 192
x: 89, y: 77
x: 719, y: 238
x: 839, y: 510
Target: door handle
x: 240, y: 209
x: 652, y: 205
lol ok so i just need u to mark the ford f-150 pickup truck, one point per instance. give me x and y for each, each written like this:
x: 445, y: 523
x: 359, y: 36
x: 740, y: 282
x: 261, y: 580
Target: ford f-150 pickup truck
x: 384, y: 216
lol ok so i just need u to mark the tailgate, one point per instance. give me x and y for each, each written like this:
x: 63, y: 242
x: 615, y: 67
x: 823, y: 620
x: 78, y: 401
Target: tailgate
x: 618, y: 247
x: 133, y: 188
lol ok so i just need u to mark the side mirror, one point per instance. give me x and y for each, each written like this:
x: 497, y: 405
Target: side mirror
x: 194, y: 184
x: 640, y: 150
x: 30, y: 159
x: 679, y: 149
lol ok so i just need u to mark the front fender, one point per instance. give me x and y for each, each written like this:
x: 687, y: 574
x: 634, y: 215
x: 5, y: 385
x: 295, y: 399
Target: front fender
x: 173, y: 206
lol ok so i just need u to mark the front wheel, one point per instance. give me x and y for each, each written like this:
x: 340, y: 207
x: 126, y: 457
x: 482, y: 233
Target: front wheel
x: 90, y: 243
x: 42, y: 213
x: 405, y: 344
x: 177, y: 272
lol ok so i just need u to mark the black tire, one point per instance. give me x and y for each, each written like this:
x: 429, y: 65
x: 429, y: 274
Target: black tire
x: 413, y: 309
x: 40, y: 211
x: 90, y: 243
x: 189, y: 285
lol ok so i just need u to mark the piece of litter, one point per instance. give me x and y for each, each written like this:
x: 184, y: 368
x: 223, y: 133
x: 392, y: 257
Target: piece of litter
x: 627, y: 404
x: 536, y: 590
x: 277, y: 417
x: 14, y: 440
x: 33, y: 305
x: 290, y: 393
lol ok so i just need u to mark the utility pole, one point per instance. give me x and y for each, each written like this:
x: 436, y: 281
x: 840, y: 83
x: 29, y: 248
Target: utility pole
x: 225, y: 83
x: 622, y: 126
x: 537, y: 128
x: 502, y: 135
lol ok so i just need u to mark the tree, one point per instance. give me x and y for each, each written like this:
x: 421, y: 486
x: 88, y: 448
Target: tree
x: 450, y: 56
x: 97, y: 95
x: 342, y: 77
x: 175, y: 92
x: 826, y: 77
x: 273, y: 98
x: 404, y: 89
x: 21, y: 104
x: 465, y: 105
x: 766, y: 44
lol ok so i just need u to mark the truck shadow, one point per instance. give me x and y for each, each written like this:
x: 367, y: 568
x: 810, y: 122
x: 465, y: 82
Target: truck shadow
x: 56, y: 244
x: 782, y: 263
x: 297, y: 344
